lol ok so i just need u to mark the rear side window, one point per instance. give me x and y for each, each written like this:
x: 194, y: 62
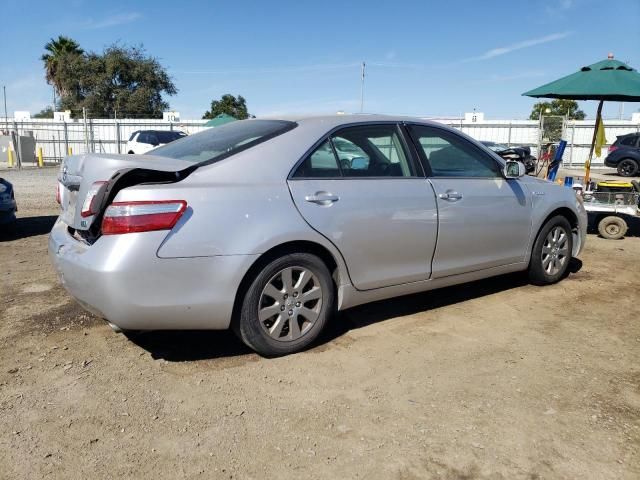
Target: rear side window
x: 630, y: 141
x: 217, y: 143
x: 168, y: 136
x: 320, y: 164
x: 133, y: 135
x: 367, y: 151
x: 372, y: 151
x: 143, y: 138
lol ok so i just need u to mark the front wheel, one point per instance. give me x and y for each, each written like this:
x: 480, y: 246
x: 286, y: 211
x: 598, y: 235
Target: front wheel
x: 627, y: 167
x: 287, y: 305
x: 551, y: 252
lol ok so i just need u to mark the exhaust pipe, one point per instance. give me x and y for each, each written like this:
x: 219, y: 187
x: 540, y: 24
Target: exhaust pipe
x: 115, y: 327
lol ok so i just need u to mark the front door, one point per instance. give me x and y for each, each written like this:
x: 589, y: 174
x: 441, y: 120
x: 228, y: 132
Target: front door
x: 485, y: 219
x: 362, y: 191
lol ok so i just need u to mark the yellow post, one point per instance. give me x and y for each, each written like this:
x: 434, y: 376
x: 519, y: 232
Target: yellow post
x: 40, y: 161
x: 10, y: 154
x: 70, y: 152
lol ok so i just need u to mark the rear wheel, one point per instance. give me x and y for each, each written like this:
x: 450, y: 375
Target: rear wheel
x: 287, y: 305
x: 551, y: 252
x: 612, y: 227
x: 627, y: 167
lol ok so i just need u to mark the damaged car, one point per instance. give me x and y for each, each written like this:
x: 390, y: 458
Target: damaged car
x: 269, y: 226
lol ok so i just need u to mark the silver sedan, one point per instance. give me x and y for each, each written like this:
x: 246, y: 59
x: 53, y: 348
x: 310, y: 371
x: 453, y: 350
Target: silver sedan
x: 270, y: 226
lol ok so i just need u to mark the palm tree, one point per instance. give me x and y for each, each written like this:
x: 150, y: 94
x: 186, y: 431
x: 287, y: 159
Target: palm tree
x: 56, y: 50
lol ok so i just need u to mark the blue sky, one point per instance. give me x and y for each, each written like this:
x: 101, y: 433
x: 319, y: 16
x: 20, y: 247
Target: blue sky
x: 436, y: 58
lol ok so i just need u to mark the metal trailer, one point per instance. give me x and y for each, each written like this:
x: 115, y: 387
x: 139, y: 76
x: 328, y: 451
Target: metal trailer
x: 610, y: 210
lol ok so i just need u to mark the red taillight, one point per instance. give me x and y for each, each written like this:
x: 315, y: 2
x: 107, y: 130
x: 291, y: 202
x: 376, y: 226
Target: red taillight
x: 612, y: 148
x: 89, y: 206
x: 58, y: 196
x: 148, y: 216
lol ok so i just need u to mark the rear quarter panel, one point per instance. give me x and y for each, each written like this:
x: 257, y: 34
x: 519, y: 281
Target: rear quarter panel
x: 235, y: 207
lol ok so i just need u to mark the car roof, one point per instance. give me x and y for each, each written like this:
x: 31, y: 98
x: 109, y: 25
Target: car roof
x: 337, y: 120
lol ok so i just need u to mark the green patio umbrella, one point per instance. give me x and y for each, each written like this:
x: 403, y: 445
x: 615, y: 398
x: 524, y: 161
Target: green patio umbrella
x: 220, y: 119
x: 606, y: 80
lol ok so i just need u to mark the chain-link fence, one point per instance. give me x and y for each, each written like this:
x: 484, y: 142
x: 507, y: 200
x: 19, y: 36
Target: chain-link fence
x: 56, y: 139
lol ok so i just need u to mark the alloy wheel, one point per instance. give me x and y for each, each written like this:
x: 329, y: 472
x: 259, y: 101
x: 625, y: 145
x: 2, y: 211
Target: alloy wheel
x: 290, y: 303
x: 555, y: 250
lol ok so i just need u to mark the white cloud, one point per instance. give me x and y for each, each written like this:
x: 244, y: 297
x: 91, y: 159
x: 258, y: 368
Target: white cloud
x: 112, y: 21
x: 496, y: 52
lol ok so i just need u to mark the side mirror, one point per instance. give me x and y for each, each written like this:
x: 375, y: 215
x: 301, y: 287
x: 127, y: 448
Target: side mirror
x: 513, y: 169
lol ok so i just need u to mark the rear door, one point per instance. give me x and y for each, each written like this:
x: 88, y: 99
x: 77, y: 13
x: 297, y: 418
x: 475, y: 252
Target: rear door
x: 362, y: 190
x: 485, y: 219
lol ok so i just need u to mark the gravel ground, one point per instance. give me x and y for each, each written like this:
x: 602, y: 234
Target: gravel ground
x: 492, y: 380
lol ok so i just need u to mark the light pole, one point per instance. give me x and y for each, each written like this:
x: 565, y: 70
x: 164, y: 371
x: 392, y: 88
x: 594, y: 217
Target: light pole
x: 6, y: 119
x: 362, y: 87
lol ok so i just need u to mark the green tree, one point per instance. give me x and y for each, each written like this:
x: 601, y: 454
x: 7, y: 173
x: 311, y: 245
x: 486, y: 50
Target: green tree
x: 46, y: 112
x: 122, y: 81
x: 236, y: 107
x: 568, y: 108
x: 58, y: 51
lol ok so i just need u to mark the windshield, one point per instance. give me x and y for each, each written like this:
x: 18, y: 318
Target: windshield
x: 221, y: 142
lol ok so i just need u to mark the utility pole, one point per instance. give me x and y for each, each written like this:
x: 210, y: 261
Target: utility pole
x: 362, y: 88
x: 6, y: 119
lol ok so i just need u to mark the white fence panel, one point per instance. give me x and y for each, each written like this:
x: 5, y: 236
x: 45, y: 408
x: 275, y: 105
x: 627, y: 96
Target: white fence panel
x: 110, y: 136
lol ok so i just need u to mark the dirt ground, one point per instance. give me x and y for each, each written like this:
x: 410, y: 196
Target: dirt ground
x: 492, y: 380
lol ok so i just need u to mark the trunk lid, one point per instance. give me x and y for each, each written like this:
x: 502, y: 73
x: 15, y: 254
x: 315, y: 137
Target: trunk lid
x: 79, y: 172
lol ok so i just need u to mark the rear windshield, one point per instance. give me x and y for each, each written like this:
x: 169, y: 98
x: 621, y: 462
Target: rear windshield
x: 220, y: 142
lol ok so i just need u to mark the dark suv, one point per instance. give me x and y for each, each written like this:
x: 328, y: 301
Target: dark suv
x: 624, y: 155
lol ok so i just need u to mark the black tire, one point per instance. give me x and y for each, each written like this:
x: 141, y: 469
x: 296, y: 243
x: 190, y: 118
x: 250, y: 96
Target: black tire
x: 612, y: 227
x: 538, y: 275
x: 627, y: 167
x: 253, y: 332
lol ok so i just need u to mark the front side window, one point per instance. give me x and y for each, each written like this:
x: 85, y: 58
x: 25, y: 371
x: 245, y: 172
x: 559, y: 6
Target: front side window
x: 143, y: 138
x: 448, y: 155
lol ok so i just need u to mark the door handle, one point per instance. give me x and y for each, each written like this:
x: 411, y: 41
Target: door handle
x: 452, y: 196
x: 322, y: 198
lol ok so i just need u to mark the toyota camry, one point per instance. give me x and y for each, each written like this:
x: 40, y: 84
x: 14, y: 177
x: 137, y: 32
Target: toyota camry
x: 268, y: 226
